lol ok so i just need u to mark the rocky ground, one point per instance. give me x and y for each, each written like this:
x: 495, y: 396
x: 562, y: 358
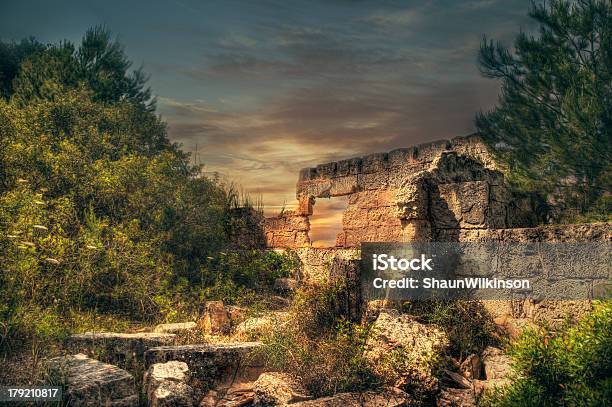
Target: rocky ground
x: 172, y: 365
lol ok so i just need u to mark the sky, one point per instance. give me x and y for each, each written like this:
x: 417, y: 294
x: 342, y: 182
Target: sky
x: 257, y: 89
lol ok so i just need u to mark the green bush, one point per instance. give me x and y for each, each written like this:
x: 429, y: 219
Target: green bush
x: 102, y: 219
x: 568, y: 368
x: 318, y: 346
x: 468, y: 324
x: 238, y: 276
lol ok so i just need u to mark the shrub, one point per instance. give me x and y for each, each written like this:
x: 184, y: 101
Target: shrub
x: 319, y: 346
x: 568, y: 368
x: 468, y: 324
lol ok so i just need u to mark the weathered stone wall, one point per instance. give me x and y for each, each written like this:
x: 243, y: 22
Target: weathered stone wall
x: 287, y: 230
x: 416, y: 193
x: 443, y: 191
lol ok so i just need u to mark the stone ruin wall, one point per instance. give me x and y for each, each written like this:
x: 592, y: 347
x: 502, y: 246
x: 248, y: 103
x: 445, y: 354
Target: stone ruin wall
x: 443, y: 191
x: 427, y: 192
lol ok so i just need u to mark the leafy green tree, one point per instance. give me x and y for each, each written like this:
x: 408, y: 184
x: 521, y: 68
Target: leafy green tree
x: 553, y: 125
x: 12, y: 54
x: 100, y: 214
x: 99, y: 62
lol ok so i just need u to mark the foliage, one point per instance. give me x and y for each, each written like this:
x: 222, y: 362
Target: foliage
x: 319, y: 347
x: 100, y: 215
x: 469, y: 326
x: 569, y: 368
x: 553, y: 126
x: 236, y: 276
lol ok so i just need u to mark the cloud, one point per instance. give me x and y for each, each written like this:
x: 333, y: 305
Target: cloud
x: 375, y: 78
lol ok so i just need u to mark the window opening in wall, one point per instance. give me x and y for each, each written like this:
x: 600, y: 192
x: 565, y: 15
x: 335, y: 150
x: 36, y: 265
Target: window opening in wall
x: 326, y: 220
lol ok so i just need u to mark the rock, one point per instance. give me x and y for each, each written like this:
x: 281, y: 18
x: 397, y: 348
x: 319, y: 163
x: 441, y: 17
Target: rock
x: 176, y: 328
x: 285, y: 284
x: 417, y: 346
x: 237, y: 395
x: 497, y: 365
x: 116, y: 346
x: 389, y: 397
x: 165, y: 384
x: 255, y: 328
x: 210, y: 399
x: 471, y: 367
x: 92, y: 383
x: 458, y: 379
x: 273, y: 389
x: 171, y: 394
x: 456, y: 398
x: 216, y: 319
x: 213, y: 364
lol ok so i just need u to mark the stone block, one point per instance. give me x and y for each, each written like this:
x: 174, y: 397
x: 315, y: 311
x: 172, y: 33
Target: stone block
x: 400, y: 156
x: 176, y: 328
x: 327, y: 170
x: 343, y: 185
x: 373, y: 199
x: 373, y: 181
x: 318, y: 187
x: 305, y: 205
x: 307, y: 174
x: 395, y: 332
x: 374, y: 163
x: 92, y: 383
x: 167, y: 385
x: 213, y: 364
x: 117, y: 346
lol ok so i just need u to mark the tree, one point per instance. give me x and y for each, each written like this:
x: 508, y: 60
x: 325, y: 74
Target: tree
x: 99, y: 212
x: 28, y: 68
x: 552, y: 128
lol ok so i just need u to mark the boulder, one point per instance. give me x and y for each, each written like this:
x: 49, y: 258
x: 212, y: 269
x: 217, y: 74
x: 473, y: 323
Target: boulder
x: 216, y: 319
x: 255, y: 328
x: 497, y: 364
x: 389, y: 397
x: 116, y: 346
x: 166, y: 384
x: 405, y: 351
x: 176, y: 328
x: 92, y: 383
x: 213, y: 364
x: 273, y: 389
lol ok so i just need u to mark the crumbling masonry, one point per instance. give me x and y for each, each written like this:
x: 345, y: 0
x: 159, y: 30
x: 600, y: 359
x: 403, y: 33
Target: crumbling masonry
x: 440, y: 191
x: 448, y: 190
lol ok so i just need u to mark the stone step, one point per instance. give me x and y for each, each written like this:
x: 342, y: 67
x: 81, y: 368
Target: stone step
x: 113, y: 346
x: 93, y: 383
x: 176, y: 328
x: 213, y: 365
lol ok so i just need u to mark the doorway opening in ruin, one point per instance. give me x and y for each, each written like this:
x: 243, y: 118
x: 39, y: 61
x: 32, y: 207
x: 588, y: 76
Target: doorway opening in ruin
x: 326, y: 220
